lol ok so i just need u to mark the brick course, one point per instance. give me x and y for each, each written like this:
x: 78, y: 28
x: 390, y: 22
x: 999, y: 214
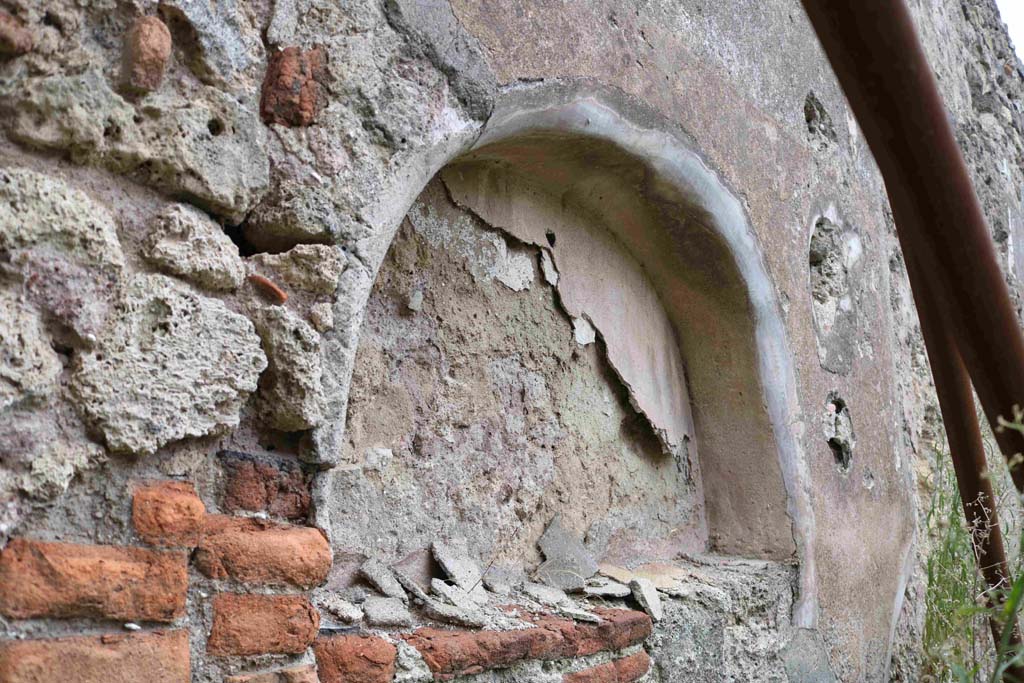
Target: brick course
x: 259, y: 552
x: 291, y: 88
x: 154, y: 657
x: 455, y: 653
x: 42, y: 579
x: 168, y: 513
x: 298, y: 674
x: 624, y: 670
x: 253, y: 485
x: 262, y: 624
x: 355, y: 659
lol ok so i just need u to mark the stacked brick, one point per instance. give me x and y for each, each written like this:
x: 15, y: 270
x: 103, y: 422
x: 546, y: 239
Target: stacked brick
x: 41, y: 579
x: 269, y: 565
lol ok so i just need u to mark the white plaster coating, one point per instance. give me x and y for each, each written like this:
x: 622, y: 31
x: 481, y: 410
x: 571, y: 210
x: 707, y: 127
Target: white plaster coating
x: 591, y: 117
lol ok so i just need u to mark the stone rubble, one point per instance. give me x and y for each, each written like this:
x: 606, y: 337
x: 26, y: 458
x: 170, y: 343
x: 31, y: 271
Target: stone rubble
x: 184, y: 241
x: 339, y: 608
x: 171, y: 364
x: 313, y: 268
x: 291, y: 392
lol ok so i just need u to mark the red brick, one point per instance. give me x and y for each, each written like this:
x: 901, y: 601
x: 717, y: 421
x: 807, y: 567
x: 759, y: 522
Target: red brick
x: 280, y: 489
x: 291, y: 88
x: 262, y: 624
x: 467, y: 652
x: 147, y: 47
x: 355, y: 659
x: 461, y: 653
x: 39, y: 579
x: 155, y: 657
x: 168, y: 513
x: 620, y: 629
x: 298, y: 674
x: 15, y: 39
x: 625, y: 670
x: 259, y: 552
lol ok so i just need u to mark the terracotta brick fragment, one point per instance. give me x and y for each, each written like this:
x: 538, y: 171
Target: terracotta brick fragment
x: 620, y: 629
x: 279, y: 488
x: 298, y: 674
x: 40, y: 579
x: 262, y: 624
x: 168, y: 513
x: 355, y: 659
x: 458, y: 653
x: 624, y: 670
x: 15, y: 39
x: 291, y: 88
x: 260, y: 552
x: 147, y: 47
x: 154, y: 657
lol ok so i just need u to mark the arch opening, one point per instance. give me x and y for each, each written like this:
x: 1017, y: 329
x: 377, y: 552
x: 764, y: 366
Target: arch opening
x: 712, y: 377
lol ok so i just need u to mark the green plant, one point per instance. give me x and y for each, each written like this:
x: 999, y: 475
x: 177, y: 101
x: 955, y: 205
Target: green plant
x: 957, y: 641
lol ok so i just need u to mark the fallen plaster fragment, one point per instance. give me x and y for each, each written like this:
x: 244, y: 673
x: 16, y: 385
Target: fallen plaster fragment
x: 547, y: 267
x: 462, y: 570
x: 647, y: 596
x: 500, y: 581
x: 452, y: 594
x: 583, y: 332
x: 577, y: 614
x: 546, y: 595
x: 437, y: 610
x: 339, y: 608
x: 600, y: 587
x: 567, y: 563
x: 387, y: 612
x: 663, y: 576
x: 383, y: 579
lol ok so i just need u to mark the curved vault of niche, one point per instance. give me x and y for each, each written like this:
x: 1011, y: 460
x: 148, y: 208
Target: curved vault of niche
x: 548, y: 158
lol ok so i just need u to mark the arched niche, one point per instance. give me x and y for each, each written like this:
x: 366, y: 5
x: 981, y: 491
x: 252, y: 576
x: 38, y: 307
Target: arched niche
x: 550, y: 152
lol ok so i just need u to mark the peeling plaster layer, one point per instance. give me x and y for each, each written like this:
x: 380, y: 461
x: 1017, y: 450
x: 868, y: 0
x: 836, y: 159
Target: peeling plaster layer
x: 601, y: 281
x: 533, y: 109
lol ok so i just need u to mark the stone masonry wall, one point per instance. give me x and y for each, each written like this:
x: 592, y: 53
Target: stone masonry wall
x: 213, y: 455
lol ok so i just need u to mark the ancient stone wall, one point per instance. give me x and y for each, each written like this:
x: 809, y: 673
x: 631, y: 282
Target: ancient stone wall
x: 408, y: 340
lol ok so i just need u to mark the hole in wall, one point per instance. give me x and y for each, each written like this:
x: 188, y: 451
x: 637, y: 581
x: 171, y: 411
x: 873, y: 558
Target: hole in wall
x: 839, y: 431
x: 820, y: 128
x: 833, y: 259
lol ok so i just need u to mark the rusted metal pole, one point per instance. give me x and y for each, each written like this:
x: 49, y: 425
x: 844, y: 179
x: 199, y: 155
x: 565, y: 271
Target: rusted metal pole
x: 873, y: 47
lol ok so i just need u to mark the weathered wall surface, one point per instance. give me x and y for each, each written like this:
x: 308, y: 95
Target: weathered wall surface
x: 194, y: 214
x: 477, y: 410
